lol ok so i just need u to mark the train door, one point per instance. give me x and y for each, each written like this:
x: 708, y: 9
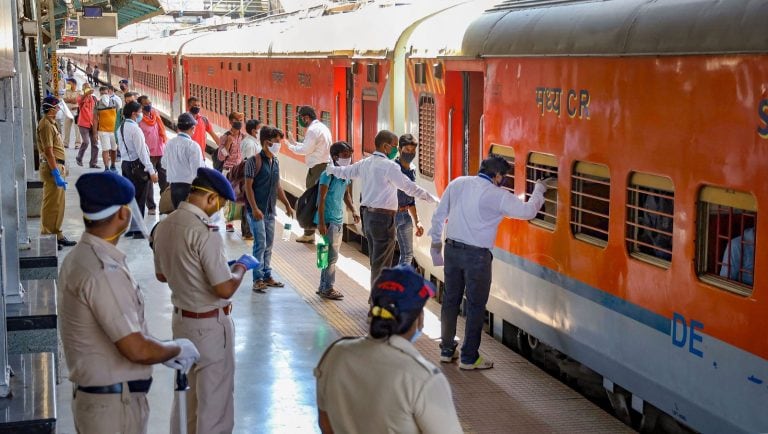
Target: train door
x: 343, y: 89
x: 370, y: 119
x: 464, y: 98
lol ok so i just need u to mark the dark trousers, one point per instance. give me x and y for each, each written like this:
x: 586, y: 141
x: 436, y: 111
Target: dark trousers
x: 313, y: 175
x: 85, y: 135
x: 467, y: 270
x: 162, y: 181
x: 141, y: 183
x: 179, y: 192
x: 379, y: 229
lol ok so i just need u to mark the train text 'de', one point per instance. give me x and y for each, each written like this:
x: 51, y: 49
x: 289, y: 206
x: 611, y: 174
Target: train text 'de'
x: 550, y: 100
x: 762, y: 111
x: 683, y: 332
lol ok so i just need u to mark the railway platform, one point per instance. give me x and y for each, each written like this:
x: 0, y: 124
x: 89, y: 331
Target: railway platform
x: 281, y: 335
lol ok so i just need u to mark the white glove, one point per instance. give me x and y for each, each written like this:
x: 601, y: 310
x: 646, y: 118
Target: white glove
x: 187, y: 357
x: 545, y: 183
x: 436, y: 252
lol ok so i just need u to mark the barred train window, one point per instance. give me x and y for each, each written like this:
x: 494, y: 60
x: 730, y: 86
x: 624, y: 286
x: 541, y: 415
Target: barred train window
x: 245, y: 107
x: 254, y: 108
x: 299, y: 128
x: 427, y: 136
x: 279, y: 115
x: 270, y: 113
x: 590, y: 200
x: 726, y: 239
x: 261, y: 111
x: 508, y: 154
x: 650, y: 218
x: 288, y: 118
x: 325, y: 117
x: 542, y: 166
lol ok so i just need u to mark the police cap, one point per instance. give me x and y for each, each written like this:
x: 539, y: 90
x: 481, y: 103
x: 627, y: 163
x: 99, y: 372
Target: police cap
x: 50, y: 102
x: 404, y: 287
x: 214, y: 180
x: 103, y: 193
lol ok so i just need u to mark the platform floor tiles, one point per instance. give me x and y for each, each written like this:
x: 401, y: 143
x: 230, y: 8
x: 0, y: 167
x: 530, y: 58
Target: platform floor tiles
x: 281, y: 335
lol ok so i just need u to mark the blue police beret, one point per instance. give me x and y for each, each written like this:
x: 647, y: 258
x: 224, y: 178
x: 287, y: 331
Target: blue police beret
x: 404, y: 287
x: 103, y: 193
x: 215, y: 180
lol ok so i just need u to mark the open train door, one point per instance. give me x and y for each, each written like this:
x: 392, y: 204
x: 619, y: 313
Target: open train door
x: 464, y: 98
x: 343, y: 87
x: 370, y: 119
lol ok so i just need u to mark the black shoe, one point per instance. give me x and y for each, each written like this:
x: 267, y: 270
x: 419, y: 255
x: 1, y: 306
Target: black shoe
x: 58, y: 246
x: 66, y: 243
x: 95, y: 166
x: 129, y: 234
x: 138, y: 236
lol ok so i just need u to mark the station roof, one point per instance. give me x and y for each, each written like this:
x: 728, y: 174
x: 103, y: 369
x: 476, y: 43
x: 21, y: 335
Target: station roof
x: 128, y: 11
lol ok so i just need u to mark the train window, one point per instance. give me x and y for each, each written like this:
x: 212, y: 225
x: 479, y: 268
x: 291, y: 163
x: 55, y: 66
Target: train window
x: 222, y: 65
x: 427, y: 136
x: 220, y: 99
x: 289, y: 118
x: 261, y: 110
x: 236, y: 103
x: 254, y: 107
x: 230, y: 66
x: 228, y: 103
x: 325, y: 117
x: 726, y: 239
x: 249, y: 67
x: 245, y: 107
x: 279, y: 115
x: 590, y: 200
x: 542, y: 166
x: 299, y: 128
x: 650, y: 218
x: 508, y: 154
x: 270, y: 113
x: 239, y: 66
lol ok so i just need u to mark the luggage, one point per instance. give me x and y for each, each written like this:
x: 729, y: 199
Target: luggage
x: 306, y: 207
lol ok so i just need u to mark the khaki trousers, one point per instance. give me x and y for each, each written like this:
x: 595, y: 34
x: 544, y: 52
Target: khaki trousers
x: 211, y: 394
x: 52, y: 209
x: 123, y: 413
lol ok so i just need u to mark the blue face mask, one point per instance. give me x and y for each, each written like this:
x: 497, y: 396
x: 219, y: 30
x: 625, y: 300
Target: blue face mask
x: 416, y: 336
x: 139, y: 118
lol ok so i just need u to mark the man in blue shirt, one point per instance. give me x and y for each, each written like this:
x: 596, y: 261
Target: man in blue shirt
x: 406, y: 215
x: 739, y: 258
x: 334, y: 193
x: 262, y: 189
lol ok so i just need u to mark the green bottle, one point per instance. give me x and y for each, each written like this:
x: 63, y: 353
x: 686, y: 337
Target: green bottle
x: 322, y: 252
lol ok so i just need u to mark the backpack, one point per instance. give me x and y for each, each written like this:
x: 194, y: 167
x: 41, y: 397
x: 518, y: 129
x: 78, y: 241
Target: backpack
x: 306, y: 206
x: 236, y: 177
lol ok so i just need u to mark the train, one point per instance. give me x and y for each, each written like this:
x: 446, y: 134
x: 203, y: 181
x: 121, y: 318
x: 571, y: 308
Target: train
x: 652, y: 114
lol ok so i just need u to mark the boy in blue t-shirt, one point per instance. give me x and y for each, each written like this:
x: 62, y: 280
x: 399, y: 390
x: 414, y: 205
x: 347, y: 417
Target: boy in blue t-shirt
x: 334, y: 193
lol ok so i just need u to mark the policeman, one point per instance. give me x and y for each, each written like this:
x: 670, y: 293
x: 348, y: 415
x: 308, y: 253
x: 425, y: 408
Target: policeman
x: 410, y: 393
x: 108, y: 348
x: 190, y: 256
x: 52, y: 172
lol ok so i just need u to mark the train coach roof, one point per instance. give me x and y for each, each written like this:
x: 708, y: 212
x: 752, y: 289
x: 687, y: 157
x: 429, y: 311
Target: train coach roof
x: 165, y: 45
x: 616, y: 27
x: 370, y: 31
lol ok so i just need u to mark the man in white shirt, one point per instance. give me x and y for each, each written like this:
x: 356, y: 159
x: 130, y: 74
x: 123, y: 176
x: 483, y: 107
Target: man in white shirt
x: 474, y: 206
x: 250, y: 145
x: 381, y: 180
x: 136, y: 165
x: 181, y: 159
x: 317, y: 149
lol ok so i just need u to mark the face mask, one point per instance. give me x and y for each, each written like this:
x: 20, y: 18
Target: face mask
x: 123, y: 88
x: 344, y: 161
x: 416, y: 336
x: 392, y: 153
x: 105, y: 100
x: 147, y: 108
x: 139, y: 118
x: 407, y: 157
x: 194, y: 110
x: 237, y: 125
x: 302, y: 123
x: 274, y: 148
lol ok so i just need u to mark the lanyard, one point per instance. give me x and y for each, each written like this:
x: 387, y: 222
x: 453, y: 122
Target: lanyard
x: 486, y: 177
x: 379, y: 154
x: 184, y: 135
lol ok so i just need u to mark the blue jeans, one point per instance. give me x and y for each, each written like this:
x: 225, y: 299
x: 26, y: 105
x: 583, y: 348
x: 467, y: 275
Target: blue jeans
x: 328, y: 274
x: 263, y: 237
x: 466, y: 268
x: 404, y: 227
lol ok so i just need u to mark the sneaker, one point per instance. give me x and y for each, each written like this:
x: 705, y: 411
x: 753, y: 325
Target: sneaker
x: 449, y: 355
x: 480, y: 363
x: 273, y: 283
x: 331, y: 295
x: 259, y: 286
x: 306, y: 239
x: 64, y: 242
x: 152, y: 211
x: 230, y: 228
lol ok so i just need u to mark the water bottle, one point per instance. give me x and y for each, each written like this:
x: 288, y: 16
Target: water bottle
x: 322, y: 252
x: 287, y: 231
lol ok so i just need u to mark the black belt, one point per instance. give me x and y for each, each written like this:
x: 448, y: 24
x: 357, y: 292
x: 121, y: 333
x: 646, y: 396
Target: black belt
x: 135, y: 386
x: 389, y: 212
x: 460, y: 245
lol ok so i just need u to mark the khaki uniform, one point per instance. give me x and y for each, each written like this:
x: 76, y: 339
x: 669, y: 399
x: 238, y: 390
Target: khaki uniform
x: 191, y: 256
x: 101, y: 304
x: 383, y: 386
x: 52, y: 210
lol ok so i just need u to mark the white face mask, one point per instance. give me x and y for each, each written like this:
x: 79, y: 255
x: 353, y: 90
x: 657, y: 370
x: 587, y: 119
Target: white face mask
x: 344, y: 161
x: 274, y: 148
x: 105, y: 99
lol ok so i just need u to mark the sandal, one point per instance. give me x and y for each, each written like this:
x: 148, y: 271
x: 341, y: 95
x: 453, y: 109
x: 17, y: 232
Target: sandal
x: 273, y: 283
x: 259, y: 286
